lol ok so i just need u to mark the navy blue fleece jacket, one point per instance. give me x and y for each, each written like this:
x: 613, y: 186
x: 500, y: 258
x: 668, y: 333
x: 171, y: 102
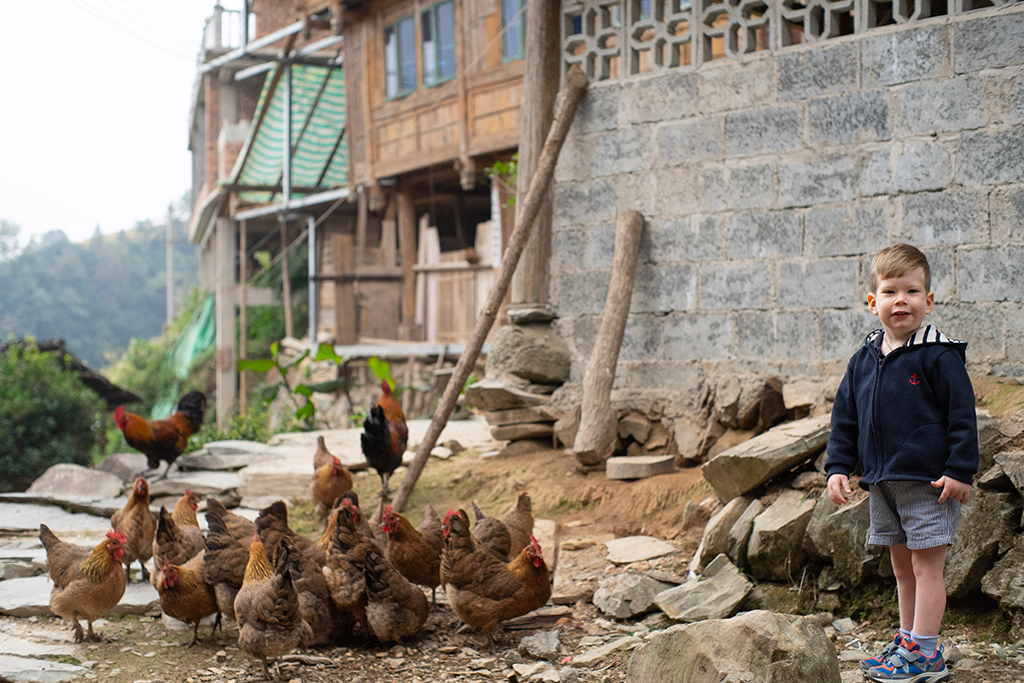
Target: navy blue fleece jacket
x: 908, y: 415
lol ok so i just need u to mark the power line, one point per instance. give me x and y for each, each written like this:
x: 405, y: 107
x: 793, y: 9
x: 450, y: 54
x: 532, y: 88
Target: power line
x: 113, y: 23
x: 146, y: 22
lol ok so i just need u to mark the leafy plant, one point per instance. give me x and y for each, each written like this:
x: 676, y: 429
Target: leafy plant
x: 303, y: 412
x: 507, y: 175
x: 47, y: 416
x: 251, y: 426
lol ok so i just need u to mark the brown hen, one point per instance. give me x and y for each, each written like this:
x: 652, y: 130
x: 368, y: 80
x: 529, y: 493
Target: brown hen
x: 137, y: 524
x: 185, y: 595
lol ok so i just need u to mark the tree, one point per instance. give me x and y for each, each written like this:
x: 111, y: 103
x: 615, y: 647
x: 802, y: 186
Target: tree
x: 8, y: 239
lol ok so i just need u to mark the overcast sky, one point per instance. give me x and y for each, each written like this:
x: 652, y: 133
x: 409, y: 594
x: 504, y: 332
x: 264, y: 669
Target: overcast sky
x: 94, y: 111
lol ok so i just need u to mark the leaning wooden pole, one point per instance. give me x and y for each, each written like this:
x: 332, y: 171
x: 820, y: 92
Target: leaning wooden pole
x: 596, y: 433
x: 572, y: 92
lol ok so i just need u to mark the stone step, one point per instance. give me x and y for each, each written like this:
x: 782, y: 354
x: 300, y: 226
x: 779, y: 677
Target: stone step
x: 41, y: 670
x: 639, y: 466
x: 31, y: 598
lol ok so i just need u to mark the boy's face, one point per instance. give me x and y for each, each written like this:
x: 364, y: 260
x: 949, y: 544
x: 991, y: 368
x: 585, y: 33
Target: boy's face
x: 902, y: 303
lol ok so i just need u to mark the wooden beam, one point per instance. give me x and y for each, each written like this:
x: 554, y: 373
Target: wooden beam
x: 286, y: 283
x: 243, y: 305
x: 407, y: 237
x: 346, y: 325
x: 224, y: 304
x: 572, y: 93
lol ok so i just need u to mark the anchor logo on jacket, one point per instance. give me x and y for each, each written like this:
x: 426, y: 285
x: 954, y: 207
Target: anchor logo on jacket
x: 914, y: 379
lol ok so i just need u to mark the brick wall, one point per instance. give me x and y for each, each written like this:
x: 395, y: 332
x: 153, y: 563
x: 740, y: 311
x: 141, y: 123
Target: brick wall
x: 769, y: 179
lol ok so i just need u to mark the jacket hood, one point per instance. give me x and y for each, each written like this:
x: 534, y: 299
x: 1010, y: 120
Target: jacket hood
x: 924, y: 336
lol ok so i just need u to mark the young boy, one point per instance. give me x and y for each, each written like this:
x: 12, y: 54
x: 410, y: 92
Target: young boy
x: 905, y: 411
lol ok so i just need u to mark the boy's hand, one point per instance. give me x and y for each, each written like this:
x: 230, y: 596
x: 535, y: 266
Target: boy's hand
x: 837, y: 485
x: 951, y: 488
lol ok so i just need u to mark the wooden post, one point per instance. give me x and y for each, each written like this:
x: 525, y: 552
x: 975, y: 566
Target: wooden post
x: 362, y: 211
x: 243, y: 333
x: 572, y: 93
x: 345, y: 327
x: 407, y: 235
x: 170, y: 265
x: 596, y: 433
x: 540, y: 86
x: 224, y: 298
x: 286, y: 283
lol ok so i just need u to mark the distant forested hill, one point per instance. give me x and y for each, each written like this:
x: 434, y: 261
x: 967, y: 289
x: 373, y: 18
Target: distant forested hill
x: 96, y: 295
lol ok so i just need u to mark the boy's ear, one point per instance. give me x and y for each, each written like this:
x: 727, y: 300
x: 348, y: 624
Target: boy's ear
x: 929, y: 303
x: 872, y: 301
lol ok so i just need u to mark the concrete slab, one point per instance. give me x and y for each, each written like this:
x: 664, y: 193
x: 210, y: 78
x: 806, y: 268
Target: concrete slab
x: 639, y: 466
x: 87, y: 504
x: 204, y: 460
x: 200, y: 483
x: 69, y: 478
x: 13, y: 645
x: 23, y: 518
x: 31, y: 598
x: 636, y: 549
x: 234, y: 447
x: 18, y: 669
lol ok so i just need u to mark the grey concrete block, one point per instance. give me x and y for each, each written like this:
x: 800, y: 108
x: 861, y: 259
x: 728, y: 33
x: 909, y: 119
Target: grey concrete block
x: 1015, y: 332
x: 677, y: 191
x: 567, y: 250
x: 923, y: 166
x: 980, y: 325
x: 876, y: 176
x: 854, y: 117
x: 642, y: 338
x: 757, y: 131
x: 843, y: 331
x: 636, y: 191
x: 698, y: 336
x: 937, y: 218
x: 663, y: 288
x: 663, y: 97
x: 599, y: 109
x: 942, y: 264
x: 583, y: 293
x: 734, y: 286
x: 765, y: 235
x: 694, y: 238
x: 575, y: 158
x: 823, y: 283
x: 991, y: 157
x: 825, y: 180
x: 904, y: 56
x: 796, y: 336
x: 823, y: 70
x: 729, y: 84
x: 751, y: 187
x: 1016, y: 99
x: 690, y: 140
x: 600, y: 246
x: 625, y: 150
x: 755, y: 335
x: 584, y: 333
x: 715, y: 188
x: 937, y: 106
x: 848, y: 230
x: 682, y: 377
x: 988, y: 42
x: 995, y: 274
x: 639, y: 466
x: 1007, y: 214
x: 578, y: 204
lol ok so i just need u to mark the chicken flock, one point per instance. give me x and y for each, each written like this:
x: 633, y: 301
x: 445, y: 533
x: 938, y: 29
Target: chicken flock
x: 358, y: 580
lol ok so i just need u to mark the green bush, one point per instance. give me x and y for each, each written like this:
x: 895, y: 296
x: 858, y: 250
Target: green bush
x: 252, y: 426
x: 47, y: 416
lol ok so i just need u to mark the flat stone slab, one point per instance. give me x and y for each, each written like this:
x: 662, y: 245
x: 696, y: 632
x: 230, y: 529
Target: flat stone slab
x: 636, y: 549
x: 639, y: 466
x: 24, y: 518
x: 31, y: 598
x: 90, y: 505
x: 235, y: 447
x: 742, y: 468
x: 205, y: 460
x: 67, y: 478
x: 18, y: 669
x: 491, y: 394
x: 715, y: 595
x: 200, y: 483
x: 123, y: 465
x: 529, y: 430
x: 497, y: 418
x: 13, y: 645
x: 596, y: 654
x: 580, y: 568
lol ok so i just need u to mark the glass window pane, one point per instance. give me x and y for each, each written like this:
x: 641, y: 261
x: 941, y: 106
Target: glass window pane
x: 390, y: 63
x: 429, y: 49
x: 512, y: 23
x: 407, y: 54
x: 446, y: 39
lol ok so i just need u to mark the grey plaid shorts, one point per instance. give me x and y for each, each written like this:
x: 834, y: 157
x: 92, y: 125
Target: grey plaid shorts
x: 909, y: 512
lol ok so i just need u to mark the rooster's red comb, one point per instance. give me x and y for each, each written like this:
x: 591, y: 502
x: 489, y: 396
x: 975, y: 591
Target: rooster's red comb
x: 117, y: 536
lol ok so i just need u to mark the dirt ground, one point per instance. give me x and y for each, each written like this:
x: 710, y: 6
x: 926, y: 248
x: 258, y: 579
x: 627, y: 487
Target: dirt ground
x: 144, y: 649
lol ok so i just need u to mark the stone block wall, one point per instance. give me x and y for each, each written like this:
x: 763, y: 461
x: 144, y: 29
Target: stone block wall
x: 769, y: 179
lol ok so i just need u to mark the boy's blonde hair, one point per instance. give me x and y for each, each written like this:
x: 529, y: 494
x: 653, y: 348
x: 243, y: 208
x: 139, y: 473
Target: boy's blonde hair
x: 897, y: 261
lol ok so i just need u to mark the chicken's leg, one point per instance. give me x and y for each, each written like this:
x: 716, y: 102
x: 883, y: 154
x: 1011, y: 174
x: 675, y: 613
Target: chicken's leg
x: 79, y: 634
x: 145, y: 572
x: 195, y: 636
x: 217, y: 622
x: 91, y: 636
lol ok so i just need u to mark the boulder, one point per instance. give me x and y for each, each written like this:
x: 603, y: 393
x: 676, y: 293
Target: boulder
x: 497, y: 418
x: 534, y: 352
x: 525, y: 447
x: 1005, y: 581
x: 124, y: 466
x: 730, y: 439
x: 841, y: 535
x: 636, y: 549
x: 518, y: 432
x: 717, y: 594
x: 67, y: 478
x: 639, y: 466
x: 809, y: 480
x: 995, y: 479
x: 775, y: 551
x: 804, y: 393
x: 755, y: 646
x: 1012, y: 463
x: 541, y: 645
x: 747, y: 466
x: 208, y: 460
x: 566, y: 427
x: 739, y: 533
x: 715, y: 540
x: 688, y: 432
x: 493, y: 393
x: 988, y: 525
x: 596, y: 655
x: 626, y: 595
x: 773, y: 406
x: 636, y: 425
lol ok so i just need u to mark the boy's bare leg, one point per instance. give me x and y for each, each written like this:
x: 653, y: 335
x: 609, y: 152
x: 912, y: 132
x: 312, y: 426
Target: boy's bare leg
x: 930, y: 603
x: 906, y: 584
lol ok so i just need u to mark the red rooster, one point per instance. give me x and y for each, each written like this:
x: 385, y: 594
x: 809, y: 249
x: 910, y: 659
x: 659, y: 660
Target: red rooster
x: 384, y: 437
x: 163, y: 439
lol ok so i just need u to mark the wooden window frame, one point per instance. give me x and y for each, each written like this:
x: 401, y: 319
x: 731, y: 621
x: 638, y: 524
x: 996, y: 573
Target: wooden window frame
x: 393, y: 27
x: 522, y: 32
x: 432, y: 13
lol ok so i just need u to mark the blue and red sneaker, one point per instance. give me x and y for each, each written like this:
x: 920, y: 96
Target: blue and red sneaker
x: 879, y: 659
x: 908, y: 665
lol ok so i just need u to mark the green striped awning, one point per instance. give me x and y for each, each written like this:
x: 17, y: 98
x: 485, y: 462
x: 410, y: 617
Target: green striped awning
x: 319, y: 145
